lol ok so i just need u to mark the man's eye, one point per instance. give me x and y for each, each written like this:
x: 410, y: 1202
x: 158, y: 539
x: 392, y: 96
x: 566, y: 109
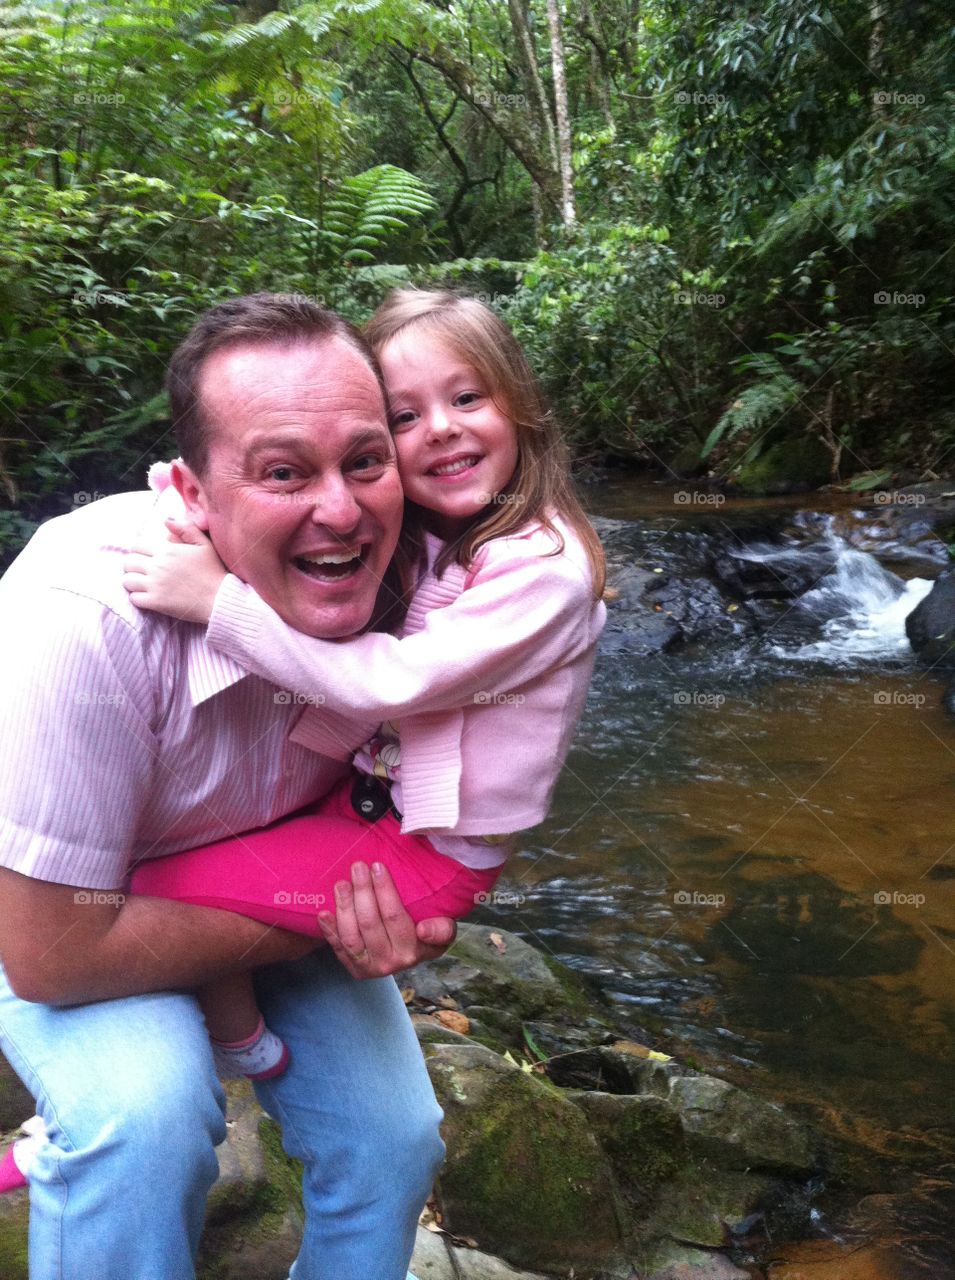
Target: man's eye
x: 368, y: 462
x: 281, y: 474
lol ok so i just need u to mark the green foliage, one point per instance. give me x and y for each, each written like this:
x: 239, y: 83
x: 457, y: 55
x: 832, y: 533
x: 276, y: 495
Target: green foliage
x: 766, y: 401
x: 366, y: 210
x: 765, y: 201
x: 155, y: 159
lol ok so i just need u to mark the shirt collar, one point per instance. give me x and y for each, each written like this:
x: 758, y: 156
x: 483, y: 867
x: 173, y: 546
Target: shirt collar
x: 209, y: 672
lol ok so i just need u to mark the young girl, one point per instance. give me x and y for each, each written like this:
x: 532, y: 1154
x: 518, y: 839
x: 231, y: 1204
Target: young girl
x: 469, y: 711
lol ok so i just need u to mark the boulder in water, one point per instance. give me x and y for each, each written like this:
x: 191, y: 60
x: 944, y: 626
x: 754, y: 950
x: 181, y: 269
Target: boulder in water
x: 930, y: 626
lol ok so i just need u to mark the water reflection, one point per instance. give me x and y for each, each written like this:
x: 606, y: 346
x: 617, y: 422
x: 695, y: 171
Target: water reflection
x: 754, y: 854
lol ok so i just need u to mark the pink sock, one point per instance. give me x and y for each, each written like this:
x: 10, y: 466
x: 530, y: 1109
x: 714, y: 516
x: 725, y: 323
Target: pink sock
x: 16, y: 1161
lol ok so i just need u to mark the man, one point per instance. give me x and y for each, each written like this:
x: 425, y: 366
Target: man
x: 122, y: 737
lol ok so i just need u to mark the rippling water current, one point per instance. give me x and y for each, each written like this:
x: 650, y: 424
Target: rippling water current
x: 752, y: 850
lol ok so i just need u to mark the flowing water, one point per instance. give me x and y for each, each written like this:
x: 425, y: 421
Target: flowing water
x: 752, y: 851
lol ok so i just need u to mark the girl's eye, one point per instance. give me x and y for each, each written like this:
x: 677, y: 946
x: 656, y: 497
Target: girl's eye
x: 467, y: 397
x: 403, y: 419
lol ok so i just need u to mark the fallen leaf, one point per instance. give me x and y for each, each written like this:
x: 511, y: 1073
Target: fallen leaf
x: 498, y: 942
x: 448, y: 1002
x: 639, y: 1050
x: 453, y: 1021
x: 611, y: 593
x: 407, y: 994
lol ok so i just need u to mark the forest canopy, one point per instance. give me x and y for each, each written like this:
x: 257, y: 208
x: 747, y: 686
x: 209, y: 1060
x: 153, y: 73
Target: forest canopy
x: 723, y: 231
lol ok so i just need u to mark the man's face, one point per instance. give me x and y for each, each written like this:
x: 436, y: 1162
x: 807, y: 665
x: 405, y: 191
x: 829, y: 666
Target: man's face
x: 301, y: 495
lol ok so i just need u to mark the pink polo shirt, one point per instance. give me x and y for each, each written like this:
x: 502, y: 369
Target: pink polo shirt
x: 123, y: 735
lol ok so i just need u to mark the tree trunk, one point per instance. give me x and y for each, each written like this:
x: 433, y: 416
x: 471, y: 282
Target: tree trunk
x: 528, y: 59
x: 567, y: 208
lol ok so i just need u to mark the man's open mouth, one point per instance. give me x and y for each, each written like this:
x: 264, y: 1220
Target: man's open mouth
x: 458, y: 464
x: 331, y: 566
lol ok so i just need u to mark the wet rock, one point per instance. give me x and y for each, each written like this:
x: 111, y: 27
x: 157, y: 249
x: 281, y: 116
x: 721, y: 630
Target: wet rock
x: 930, y: 626
x: 699, y: 608
x: 634, y: 622
x: 435, y: 1258
x: 525, y: 1176
x: 738, y: 1130
x: 505, y: 974
x: 681, y: 1262
x: 774, y: 572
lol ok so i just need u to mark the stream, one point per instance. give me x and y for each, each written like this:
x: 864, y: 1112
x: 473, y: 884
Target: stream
x: 752, y: 852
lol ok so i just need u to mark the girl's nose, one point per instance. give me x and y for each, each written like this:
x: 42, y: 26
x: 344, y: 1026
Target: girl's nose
x: 442, y: 423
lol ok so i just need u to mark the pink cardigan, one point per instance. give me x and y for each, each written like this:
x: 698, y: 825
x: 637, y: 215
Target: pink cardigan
x: 488, y: 678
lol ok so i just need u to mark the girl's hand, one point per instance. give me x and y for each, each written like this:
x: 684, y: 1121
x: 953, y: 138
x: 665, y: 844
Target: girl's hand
x: 181, y: 579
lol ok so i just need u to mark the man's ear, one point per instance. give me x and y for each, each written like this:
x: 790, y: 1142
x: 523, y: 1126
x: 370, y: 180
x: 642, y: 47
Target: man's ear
x: 190, y: 488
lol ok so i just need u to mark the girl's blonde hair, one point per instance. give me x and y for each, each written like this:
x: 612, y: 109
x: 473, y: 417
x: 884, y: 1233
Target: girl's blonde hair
x: 541, y: 484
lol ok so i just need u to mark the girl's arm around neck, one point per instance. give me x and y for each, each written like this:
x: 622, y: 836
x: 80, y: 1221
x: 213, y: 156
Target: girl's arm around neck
x: 523, y: 614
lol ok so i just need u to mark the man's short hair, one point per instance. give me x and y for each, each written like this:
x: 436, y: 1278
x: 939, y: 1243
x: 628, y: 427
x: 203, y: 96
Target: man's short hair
x: 277, y: 318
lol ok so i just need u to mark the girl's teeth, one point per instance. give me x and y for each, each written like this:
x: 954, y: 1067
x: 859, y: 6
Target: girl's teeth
x: 462, y: 464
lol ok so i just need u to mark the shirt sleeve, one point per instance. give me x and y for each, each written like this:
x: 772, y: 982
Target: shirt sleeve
x: 76, y: 748
x: 523, y: 615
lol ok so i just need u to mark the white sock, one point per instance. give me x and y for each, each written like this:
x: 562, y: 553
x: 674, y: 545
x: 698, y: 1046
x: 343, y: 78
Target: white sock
x: 260, y: 1056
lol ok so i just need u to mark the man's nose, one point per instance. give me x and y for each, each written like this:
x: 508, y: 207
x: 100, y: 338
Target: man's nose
x: 335, y: 506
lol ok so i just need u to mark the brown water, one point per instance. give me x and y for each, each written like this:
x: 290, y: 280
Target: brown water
x: 756, y: 860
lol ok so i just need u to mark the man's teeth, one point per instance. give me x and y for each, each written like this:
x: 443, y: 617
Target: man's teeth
x: 450, y: 468
x: 332, y: 557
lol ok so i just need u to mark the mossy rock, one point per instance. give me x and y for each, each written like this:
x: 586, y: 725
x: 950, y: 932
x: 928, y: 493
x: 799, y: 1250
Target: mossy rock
x: 16, y: 1101
x: 791, y: 466
x: 14, y: 1230
x: 525, y: 1175
x: 738, y: 1130
x: 643, y: 1139
x: 702, y: 1201
x: 254, y: 1220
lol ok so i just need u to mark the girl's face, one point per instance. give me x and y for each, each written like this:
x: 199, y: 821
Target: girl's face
x: 456, y: 449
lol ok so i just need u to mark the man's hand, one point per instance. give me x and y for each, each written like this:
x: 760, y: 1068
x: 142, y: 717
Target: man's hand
x: 372, y: 933
x: 180, y: 579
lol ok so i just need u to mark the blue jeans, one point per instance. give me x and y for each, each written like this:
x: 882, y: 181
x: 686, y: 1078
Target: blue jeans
x: 134, y: 1110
